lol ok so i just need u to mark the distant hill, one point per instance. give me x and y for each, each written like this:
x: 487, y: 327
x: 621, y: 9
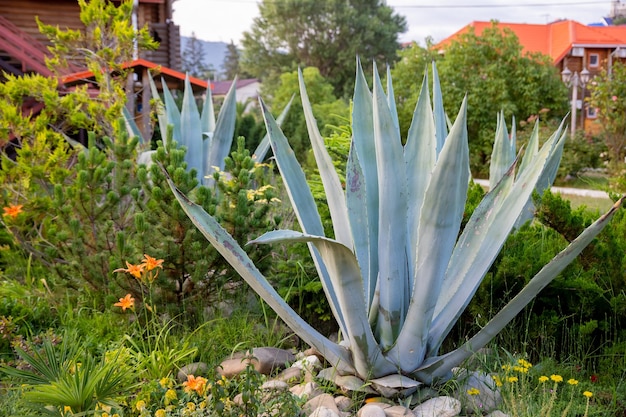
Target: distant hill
x: 214, y: 52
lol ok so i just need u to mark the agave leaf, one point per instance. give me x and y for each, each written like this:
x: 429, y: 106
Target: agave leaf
x: 441, y: 125
x: 332, y: 185
x: 439, y: 224
x: 532, y: 148
x: 391, y: 100
x: 237, y: 257
x: 131, y: 126
x: 224, y: 130
x: 480, y: 243
x: 501, y: 155
x: 439, y: 367
x: 172, y: 112
x: 365, y: 153
x: 420, y: 155
x: 356, y: 201
x: 264, y: 146
x: 207, y: 125
x: 344, y: 270
x: 303, y: 204
x: 159, y: 109
x: 191, y: 131
x: 392, y: 184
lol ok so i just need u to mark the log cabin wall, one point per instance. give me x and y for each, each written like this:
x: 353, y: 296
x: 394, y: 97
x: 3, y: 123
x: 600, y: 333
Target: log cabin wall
x: 156, y: 14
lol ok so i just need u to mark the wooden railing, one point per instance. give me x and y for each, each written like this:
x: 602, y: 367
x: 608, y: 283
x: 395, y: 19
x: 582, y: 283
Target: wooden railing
x: 23, y: 47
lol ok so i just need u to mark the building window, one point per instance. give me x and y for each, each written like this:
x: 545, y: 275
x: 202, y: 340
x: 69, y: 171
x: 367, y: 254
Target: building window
x: 594, y: 60
x: 592, y: 112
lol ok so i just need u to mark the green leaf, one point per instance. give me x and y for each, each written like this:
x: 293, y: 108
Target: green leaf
x: 261, y: 150
x: 224, y: 131
x: 191, y: 131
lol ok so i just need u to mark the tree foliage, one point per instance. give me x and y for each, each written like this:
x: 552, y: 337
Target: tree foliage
x: 326, y: 35
x: 608, y: 95
x: 193, y: 58
x: 491, y: 65
x: 231, y: 65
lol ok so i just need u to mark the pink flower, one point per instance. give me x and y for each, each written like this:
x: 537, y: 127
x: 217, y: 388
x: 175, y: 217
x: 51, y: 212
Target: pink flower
x: 614, y: 98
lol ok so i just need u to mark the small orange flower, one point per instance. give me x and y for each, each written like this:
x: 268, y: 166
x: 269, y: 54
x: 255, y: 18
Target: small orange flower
x: 13, y: 210
x: 134, y: 270
x: 150, y: 263
x: 127, y: 302
x: 196, y: 384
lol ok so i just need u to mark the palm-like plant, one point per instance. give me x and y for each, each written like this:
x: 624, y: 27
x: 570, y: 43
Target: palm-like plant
x: 399, y: 271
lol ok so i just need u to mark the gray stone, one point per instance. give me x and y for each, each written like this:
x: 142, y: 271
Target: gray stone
x: 323, y: 412
x: 310, y: 363
x: 489, y: 397
x: 497, y: 413
x: 265, y: 360
x: 290, y: 375
x: 343, y: 403
x: 196, y: 368
x: 438, y: 407
x: 373, y: 410
x: 274, y: 385
x: 398, y: 411
x: 323, y: 400
x: 307, y: 390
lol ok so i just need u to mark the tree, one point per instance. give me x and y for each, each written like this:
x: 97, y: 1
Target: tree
x: 491, y: 65
x: 608, y: 95
x: 231, y: 63
x: 327, y: 35
x: 194, y: 60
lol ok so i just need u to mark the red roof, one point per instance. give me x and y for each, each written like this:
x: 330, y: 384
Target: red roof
x: 81, y: 76
x: 220, y: 88
x: 553, y: 39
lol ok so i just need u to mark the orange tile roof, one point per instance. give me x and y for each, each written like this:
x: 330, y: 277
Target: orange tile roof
x: 553, y: 39
x: 78, y: 77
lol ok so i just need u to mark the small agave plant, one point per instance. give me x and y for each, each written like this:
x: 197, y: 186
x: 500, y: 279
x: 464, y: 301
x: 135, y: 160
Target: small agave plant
x: 208, y: 141
x: 399, y: 272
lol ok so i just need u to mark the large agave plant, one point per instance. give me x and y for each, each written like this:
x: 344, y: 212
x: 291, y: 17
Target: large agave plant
x: 399, y: 271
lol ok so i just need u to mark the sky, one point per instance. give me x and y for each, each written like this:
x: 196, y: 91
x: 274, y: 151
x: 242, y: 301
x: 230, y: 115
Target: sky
x: 226, y: 20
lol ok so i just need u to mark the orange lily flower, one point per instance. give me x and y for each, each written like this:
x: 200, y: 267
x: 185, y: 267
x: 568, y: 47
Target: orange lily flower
x: 150, y: 263
x: 196, y: 384
x: 127, y: 302
x: 13, y: 210
x: 134, y: 270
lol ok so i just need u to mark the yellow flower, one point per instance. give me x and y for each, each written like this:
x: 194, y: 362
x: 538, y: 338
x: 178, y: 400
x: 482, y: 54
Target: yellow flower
x: 165, y: 382
x: 150, y: 263
x: 191, y: 406
x: 543, y: 378
x: 140, y: 405
x: 525, y: 363
x: 196, y: 384
x: 506, y: 367
x: 170, y: 395
x: 159, y: 413
x: 473, y: 391
x: 67, y: 408
x: 572, y: 381
x: 134, y: 270
x: 512, y: 379
x: 127, y: 302
x: 520, y: 369
x: 497, y: 380
x: 104, y: 414
x: 556, y: 378
x: 13, y: 210
x: 588, y: 394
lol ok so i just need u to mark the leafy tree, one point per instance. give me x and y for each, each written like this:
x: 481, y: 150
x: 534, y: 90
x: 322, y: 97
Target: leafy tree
x: 328, y: 110
x: 490, y: 65
x: 608, y: 95
x: 194, y: 60
x: 231, y: 63
x: 327, y: 35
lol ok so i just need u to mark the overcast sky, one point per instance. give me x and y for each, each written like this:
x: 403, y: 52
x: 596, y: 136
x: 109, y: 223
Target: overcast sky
x: 226, y: 20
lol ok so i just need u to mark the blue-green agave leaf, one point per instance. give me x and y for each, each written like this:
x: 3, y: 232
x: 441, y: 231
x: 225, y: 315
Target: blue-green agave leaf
x: 224, y: 130
x: 440, y: 366
x: 480, y: 243
x: 239, y: 260
x: 332, y: 185
x: 344, y: 270
x: 439, y: 226
x: 365, y: 153
x: 261, y: 150
x: 441, y: 125
x: 501, y: 156
x: 532, y: 148
x: 392, y: 183
x: 420, y: 155
x: 172, y: 113
x: 391, y: 100
x: 131, y: 126
x: 303, y: 204
x: 191, y: 131
x: 159, y: 109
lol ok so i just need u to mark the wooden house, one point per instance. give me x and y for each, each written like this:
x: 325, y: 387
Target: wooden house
x: 573, y: 47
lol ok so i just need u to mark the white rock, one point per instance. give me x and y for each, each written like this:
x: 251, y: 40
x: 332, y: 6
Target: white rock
x: 438, y: 407
x: 323, y: 412
x: 497, y: 413
x: 373, y: 410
